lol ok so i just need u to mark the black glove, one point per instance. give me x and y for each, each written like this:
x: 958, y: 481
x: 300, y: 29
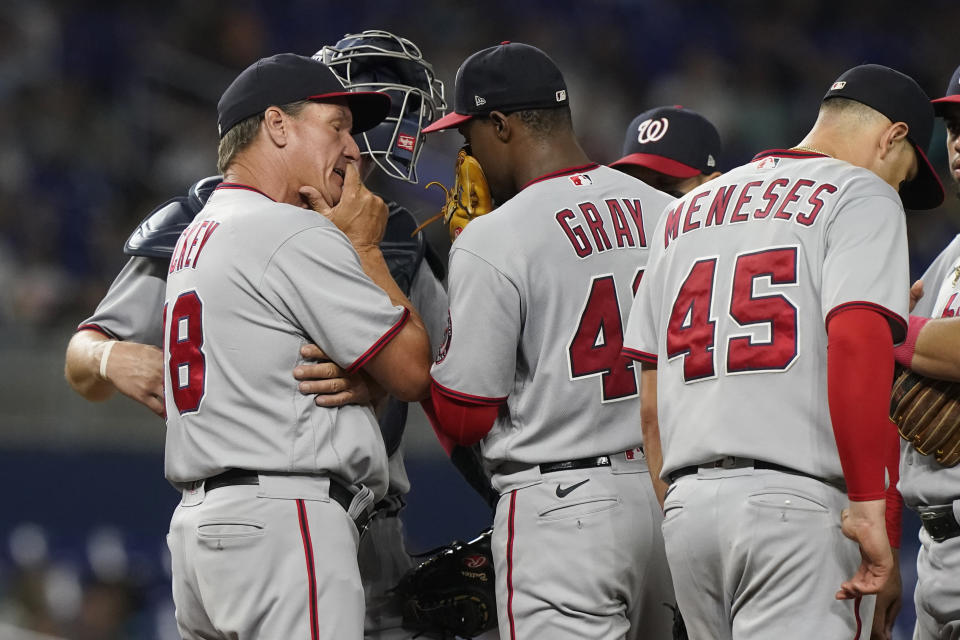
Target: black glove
x: 452, y: 593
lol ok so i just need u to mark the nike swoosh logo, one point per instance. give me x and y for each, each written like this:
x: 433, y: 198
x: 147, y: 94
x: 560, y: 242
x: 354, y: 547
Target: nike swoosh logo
x: 563, y: 493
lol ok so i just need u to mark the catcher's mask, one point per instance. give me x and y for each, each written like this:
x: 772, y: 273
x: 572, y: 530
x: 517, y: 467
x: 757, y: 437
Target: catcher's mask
x: 381, y: 61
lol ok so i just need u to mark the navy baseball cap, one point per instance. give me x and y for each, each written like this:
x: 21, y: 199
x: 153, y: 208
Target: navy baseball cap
x: 287, y: 77
x: 899, y: 98
x: 511, y: 76
x: 674, y: 141
x: 950, y: 96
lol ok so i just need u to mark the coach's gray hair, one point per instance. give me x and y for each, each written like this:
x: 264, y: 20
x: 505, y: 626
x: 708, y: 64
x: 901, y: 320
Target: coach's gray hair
x: 244, y: 132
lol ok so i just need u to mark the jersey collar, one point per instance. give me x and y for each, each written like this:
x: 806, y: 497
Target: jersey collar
x: 562, y: 172
x: 244, y: 187
x: 788, y: 153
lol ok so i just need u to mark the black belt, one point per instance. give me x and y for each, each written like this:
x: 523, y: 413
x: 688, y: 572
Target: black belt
x: 389, y: 507
x: 337, y: 491
x: 723, y: 463
x: 939, y: 522
x: 581, y: 463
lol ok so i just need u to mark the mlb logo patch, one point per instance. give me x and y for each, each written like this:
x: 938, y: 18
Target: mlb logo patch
x: 768, y: 163
x: 581, y: 180
x: 406, y: 142
x: 838, y: 85
x: 635, y: 454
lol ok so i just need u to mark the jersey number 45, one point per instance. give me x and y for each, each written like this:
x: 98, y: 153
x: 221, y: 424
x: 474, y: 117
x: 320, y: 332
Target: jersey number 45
x: 691, y: 331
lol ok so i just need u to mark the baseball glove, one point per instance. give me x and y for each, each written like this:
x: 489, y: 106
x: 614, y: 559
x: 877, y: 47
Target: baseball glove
x: 927, y: 414
x: 469, y: 197
x: 452, y: 593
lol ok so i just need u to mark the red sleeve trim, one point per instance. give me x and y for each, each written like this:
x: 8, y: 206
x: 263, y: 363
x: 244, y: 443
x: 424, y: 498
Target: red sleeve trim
x: 381, y: 343
x: 463, y: 423
x: 896, y: 321
x: 469, y: 398
x: 642, y: 356
x: 98, y: 329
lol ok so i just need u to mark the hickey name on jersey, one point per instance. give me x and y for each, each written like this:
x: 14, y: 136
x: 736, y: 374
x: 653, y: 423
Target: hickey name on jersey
x: 710, y: 206
x: 601, y: 227
x: 187, y: 252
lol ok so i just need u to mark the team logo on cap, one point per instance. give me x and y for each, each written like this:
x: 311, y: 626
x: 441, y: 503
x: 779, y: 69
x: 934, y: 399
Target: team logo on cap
x: 406, y: 142
x: 838, y: 85
x: 652, y: 130
x: 480, y: 101
x: 561, y: 95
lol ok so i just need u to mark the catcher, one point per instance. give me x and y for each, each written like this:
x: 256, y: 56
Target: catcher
x: 452, y: 593
x: 926, y: 412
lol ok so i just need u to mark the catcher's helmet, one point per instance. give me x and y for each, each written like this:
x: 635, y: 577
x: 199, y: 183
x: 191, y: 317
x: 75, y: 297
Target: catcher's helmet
x: 381, y: 61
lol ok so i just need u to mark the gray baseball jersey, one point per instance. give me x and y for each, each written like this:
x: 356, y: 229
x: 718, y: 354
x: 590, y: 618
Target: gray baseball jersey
x: 133, y: 306
x: 539, y: 290
x: 250, y: 282
x: 744, y: 275
x: 925, y: 483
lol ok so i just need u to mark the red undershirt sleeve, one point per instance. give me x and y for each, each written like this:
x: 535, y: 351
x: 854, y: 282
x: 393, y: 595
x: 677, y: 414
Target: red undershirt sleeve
x: 859, y: 378
x: 457, y: 421
x: 894, y: 512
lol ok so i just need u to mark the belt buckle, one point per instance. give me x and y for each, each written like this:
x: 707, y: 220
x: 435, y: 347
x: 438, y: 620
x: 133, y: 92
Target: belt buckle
x: 726, y: 462
x: 938, y: 523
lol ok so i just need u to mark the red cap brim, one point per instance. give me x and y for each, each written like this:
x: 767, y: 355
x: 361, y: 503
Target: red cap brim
x: 448, y: 121
x: 925, y: 191
x: 940, y: 102
x: 659, y: 164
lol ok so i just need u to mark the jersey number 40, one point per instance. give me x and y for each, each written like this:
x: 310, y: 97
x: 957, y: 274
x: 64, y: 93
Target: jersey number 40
x: 691, y: 332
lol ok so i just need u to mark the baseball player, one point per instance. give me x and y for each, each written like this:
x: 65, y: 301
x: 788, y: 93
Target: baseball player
x: 672, y: 149
x: 930, y: 489
x: 255, y: 277
x: 531, y: 363
x: 131, y: 311
x: 768, y: 293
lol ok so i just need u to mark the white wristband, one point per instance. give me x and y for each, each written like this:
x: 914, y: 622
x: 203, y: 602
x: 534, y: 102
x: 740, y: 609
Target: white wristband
x: 104, y: 355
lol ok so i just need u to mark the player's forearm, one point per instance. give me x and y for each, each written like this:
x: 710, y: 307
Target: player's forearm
x: 650, y: 427
x: 82, y: 367
x: 654, y: 455
x: 937, y: 349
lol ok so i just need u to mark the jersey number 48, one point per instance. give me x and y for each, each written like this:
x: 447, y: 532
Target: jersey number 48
x: 186, y: 365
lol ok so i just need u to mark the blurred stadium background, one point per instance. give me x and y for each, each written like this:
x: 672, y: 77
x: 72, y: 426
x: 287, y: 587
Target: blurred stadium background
x: 108, y: 109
